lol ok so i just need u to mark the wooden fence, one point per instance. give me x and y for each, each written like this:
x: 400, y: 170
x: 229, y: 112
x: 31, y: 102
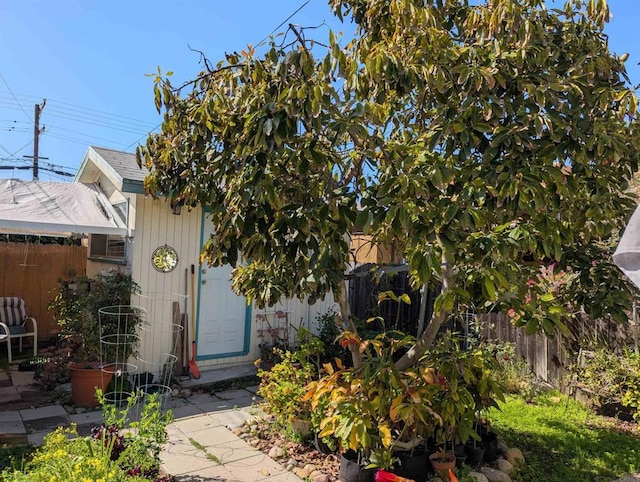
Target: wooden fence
x: 31, y: 271
x: 550, y: 358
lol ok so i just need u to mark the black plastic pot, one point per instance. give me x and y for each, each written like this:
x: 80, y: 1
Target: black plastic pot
x: 321, y: 447
x: 474, y: 455
x: 352, y: 471
x: 490, y: 445
x: 412, y: 466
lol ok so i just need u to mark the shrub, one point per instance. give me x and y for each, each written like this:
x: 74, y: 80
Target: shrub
x: 283, y: 388
x: 75, y: 310
x: 512, y: 373
x: 611, y: 379
x: 117, y: 451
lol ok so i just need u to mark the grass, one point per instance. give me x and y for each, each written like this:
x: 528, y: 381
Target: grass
x: 565, y: 441
x: 211, y: 457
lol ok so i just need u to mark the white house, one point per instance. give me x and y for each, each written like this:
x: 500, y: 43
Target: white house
x: 228, y: 331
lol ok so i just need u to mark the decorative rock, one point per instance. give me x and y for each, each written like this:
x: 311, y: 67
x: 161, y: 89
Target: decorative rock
x: 276, y: 452
x: 505, y: 466
x: 514, y: 456
x: 254, y: 442
x: 478, y: 477
x: 314, y: 474
x: 629, y: 478
x: 185, y: 392
x: 495, y: 475
x: 320, y: 478
x: 302, y: 473
x: 502, y: 447
x: 292, y: 461
x: 81, y: 410
x: 310, y: 468
x: 175, y: 392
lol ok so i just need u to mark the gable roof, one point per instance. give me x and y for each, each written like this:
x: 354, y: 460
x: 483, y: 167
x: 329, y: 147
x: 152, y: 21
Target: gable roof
x: 124, y: 163
x: 119, y: 166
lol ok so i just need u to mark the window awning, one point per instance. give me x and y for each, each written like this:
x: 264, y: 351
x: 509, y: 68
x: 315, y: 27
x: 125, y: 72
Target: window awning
x: 56, y: 207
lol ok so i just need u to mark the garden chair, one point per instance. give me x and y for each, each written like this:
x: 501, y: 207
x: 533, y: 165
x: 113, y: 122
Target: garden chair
x: 13, y: 323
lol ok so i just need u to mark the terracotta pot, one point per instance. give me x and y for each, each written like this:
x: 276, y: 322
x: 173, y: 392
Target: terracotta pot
x: 442, y: 461
x: 85, y: 378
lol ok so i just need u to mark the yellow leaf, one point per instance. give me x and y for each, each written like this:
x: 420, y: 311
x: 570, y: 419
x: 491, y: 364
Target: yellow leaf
x: 385, y: 435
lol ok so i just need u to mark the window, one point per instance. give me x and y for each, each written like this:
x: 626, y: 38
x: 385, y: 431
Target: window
x: 107, y: 248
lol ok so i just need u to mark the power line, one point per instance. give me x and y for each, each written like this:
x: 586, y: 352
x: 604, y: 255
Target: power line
x: 79, y: 109
x: 285, y: 21
x: 142, y: 137
x: 98, y: 124
x: 14, y: 97
x: 54, y: 128
x: 106, y: 122
x: 68, y: 139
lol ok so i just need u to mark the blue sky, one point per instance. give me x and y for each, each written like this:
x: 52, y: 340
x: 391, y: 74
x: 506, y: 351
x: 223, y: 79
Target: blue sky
x: 89, y: 58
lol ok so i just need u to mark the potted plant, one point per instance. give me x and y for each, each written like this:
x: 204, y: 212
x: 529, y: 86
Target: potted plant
x: 467, y: 389
x: 373, y: 409
x: 76, y: 310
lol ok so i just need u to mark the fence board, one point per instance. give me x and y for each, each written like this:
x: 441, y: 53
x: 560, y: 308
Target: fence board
x: 549, y: 359
x: 31, y: 271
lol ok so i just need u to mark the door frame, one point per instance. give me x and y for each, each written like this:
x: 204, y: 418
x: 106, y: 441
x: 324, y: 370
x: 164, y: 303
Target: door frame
x: 248, y: 310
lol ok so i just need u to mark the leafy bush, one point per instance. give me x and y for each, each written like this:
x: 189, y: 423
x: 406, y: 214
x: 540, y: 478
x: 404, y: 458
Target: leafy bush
x: 611, y: 379
x: 512, y: 373
x: 283, y: 388
x: 117, y: 451
x: 75, y: 310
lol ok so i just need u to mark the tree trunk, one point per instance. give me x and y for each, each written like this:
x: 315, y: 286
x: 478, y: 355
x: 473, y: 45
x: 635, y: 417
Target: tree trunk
x: 437, y: 320
x: 343, y: 320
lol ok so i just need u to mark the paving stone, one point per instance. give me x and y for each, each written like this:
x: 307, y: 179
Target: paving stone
x: 48, y: 423
x: 10, y: 416
x: 14, y: 426
x: 34, y: 394
x: 37, y: 438
x: 5, y: 383
x: 86, y: 418
x: 84, y: 429
x: 43, y: 412
x: 21, y: 379
x: 9, y: 394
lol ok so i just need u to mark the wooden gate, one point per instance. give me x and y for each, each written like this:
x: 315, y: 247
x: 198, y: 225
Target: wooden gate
x: 31, y: 271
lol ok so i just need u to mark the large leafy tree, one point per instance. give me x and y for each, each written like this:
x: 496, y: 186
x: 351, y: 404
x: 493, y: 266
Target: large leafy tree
x: 482, y: 138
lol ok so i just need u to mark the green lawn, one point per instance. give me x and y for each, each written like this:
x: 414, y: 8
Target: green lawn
x: 563, y: 442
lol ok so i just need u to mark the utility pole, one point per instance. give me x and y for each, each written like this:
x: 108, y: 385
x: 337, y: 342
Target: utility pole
x: 36, y: 137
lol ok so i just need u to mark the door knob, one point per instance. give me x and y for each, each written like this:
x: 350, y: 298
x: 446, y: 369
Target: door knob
x: 204, y: 281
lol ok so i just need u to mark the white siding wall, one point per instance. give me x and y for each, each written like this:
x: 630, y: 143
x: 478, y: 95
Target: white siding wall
x: 156, y: 226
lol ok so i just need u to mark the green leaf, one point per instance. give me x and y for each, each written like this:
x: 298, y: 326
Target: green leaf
x: 490, y: 289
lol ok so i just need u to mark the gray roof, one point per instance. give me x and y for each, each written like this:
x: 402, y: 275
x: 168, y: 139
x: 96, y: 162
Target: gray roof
x: 124, y: 163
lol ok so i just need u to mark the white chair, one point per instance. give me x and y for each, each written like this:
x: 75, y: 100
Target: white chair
x: 13, y: 323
